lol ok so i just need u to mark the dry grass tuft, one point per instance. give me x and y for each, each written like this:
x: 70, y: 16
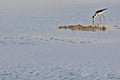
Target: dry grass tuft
x: 84, y: 28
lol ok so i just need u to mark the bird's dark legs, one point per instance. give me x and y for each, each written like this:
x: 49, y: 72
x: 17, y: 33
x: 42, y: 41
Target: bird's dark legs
x: 103, y: 18
x: 100, y: 22
x: 93, y: 21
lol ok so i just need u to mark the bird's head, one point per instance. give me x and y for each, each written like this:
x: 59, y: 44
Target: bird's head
x: 93, y: 17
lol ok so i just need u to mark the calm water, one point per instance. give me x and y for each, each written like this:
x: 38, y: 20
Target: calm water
x: 32, y: 37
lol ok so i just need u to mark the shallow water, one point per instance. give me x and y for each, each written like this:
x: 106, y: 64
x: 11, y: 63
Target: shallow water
x: 32, y: 41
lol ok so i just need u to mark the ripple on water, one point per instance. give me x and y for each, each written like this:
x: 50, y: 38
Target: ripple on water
x: 51, y: 72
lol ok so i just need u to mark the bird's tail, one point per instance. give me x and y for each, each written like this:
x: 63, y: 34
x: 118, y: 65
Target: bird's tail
x: 105, y: 8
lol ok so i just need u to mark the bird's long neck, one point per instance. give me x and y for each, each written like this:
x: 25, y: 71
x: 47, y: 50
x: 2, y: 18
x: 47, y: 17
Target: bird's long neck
x: 94, y: 15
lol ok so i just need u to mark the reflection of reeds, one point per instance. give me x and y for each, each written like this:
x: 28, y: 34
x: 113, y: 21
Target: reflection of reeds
x: 84, y: 28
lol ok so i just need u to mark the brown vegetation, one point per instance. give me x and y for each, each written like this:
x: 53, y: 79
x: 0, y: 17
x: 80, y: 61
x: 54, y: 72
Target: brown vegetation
x: 84, y: 28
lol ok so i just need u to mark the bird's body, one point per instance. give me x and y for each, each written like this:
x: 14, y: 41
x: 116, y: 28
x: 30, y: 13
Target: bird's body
x: 99, y: 13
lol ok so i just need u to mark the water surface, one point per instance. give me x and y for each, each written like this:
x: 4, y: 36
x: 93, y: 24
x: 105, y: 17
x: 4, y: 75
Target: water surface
x: 30, y: 36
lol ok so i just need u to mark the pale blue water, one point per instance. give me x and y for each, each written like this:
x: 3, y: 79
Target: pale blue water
x: 33, y: 39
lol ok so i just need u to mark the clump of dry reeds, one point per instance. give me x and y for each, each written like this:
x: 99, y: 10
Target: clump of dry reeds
x: 84, y: 28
